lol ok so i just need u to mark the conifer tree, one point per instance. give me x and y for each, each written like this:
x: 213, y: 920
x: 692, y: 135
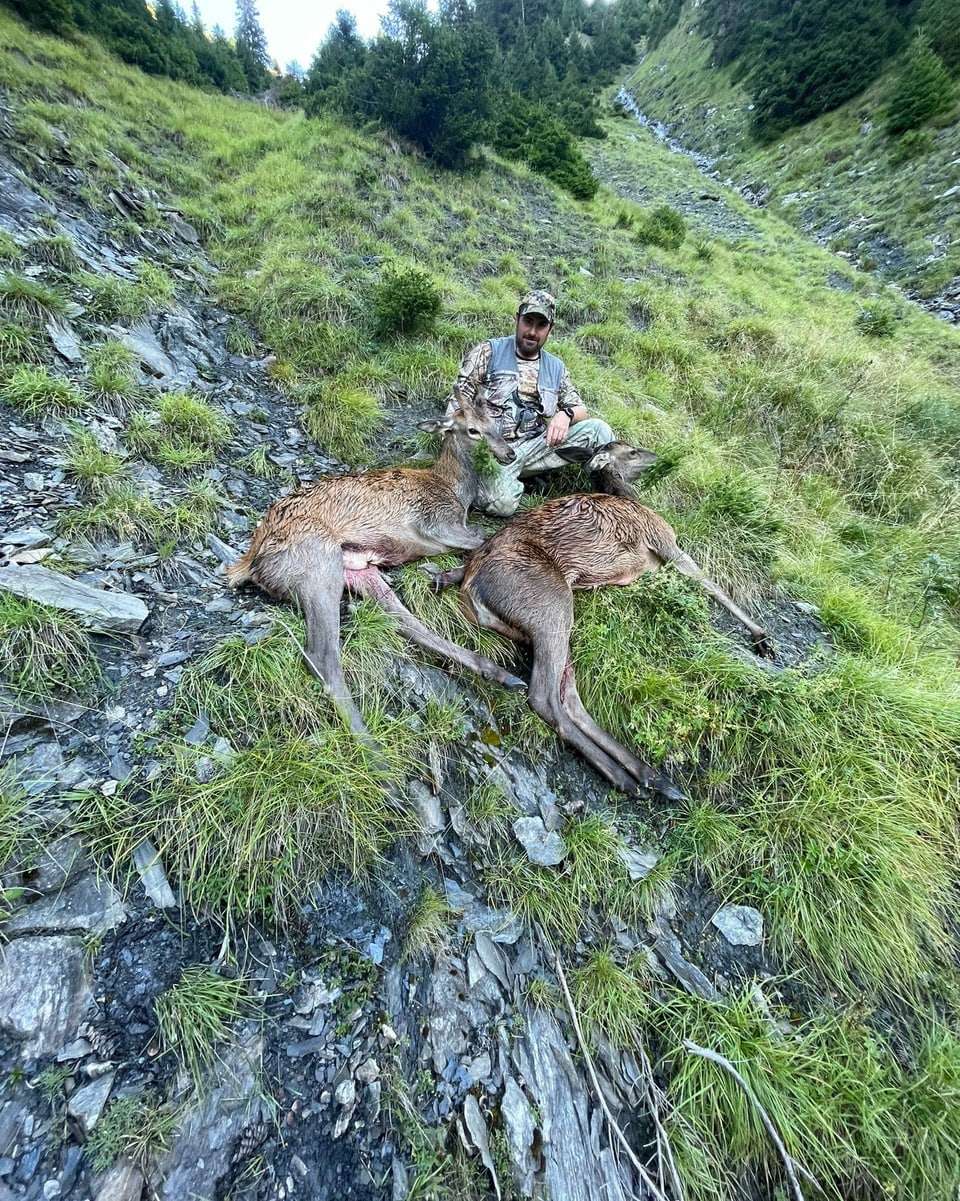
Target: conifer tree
x: 331, y: 81
x: 924, y: 90
x: 251, y: 43
x: 940, y: 20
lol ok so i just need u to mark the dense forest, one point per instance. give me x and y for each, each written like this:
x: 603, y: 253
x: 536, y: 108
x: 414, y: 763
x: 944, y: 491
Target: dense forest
x: 805, y: 58
x: 524, y: 75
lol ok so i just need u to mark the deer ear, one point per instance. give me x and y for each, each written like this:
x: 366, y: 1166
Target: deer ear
x: 435, y: 425
x: 574, y: 454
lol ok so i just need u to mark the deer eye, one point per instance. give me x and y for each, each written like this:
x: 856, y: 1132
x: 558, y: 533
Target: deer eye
x: 474, y: 432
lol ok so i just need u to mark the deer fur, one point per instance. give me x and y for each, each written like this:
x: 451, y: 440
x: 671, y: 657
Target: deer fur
x: 521, y: 581
x: 339, y: 531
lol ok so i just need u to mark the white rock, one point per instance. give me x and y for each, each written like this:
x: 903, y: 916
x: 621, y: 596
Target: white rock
x: 739, y: 924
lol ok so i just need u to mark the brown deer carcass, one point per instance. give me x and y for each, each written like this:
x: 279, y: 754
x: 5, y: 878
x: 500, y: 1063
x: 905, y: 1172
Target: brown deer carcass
x: 521, y: 582
x: 338, y: 531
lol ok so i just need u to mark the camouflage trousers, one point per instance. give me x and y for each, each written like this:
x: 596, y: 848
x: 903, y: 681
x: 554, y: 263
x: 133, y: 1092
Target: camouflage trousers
x: 500, y: 494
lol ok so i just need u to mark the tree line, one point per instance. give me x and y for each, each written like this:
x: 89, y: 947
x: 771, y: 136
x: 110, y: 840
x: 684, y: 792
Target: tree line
x: 161, y: 39
x: 522, y: 75
x: 803, y: 58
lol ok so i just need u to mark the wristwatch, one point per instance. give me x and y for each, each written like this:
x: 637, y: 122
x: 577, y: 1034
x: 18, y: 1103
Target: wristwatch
x: 566, y: 409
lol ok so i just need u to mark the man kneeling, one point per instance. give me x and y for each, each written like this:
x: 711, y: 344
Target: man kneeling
x: 529, y: 391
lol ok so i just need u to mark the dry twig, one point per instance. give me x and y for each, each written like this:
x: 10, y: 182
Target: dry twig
x: 611, y: 1122
x: 789, y: 1162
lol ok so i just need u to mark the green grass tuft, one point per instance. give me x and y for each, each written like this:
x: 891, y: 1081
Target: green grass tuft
x: 139, y: 1128
x: 342, y: 417
x: 196, y: 1016
x: 28, y: 301
x: 18, y: 344
x: 183, y: 432
x: 38, y: 393
x: 428, y: 927
x: 275, y: 817
x: 95, y: 470
x: 44, y: 652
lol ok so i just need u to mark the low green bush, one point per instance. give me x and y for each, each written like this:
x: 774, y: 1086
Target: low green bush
x: 663, y: 227
x: 406, y: 302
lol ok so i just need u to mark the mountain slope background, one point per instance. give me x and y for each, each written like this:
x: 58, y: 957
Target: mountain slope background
x: 886, y: 202
x: 290, y: 982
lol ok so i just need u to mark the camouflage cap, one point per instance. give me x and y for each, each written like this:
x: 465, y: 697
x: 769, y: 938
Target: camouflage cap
x: 538, y: 301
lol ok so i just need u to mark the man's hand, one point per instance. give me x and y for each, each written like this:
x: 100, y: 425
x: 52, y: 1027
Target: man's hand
x: 557, y: 427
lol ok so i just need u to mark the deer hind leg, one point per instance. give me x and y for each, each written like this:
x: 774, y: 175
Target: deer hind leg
x: 688, y: 567
x: 314, y: 569
x: 551, y: 643
x: 643, y: 773
x: 369, y: 582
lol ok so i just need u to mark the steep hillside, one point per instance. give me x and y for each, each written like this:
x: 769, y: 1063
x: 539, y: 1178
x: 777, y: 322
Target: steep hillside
x: 890, y: 206
x: 248, y: 955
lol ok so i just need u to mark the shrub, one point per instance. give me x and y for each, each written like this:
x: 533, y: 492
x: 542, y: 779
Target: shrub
x: 876, y: 320
x: 532, y: 134
x: 663, y: 227
x: 915, y: 143
x: 406, y: 301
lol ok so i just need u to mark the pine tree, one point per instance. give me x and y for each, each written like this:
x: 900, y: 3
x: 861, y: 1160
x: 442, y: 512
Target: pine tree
x: 331, y: 80
x: 251, y: 43
x: 924, y: 90
x: 941, y: 23
x: 51, y: 16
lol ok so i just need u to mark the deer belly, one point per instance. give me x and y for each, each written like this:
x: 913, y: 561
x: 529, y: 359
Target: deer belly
x: 385, y: 552
x: 617, y: 570
x: 613, y: 577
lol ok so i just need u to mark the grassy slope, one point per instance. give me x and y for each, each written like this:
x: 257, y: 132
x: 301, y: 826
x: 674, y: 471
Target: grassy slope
x: 838, y: 175
x: 802, y: 455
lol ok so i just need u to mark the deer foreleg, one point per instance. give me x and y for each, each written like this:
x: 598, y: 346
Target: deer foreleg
x: 369, y: 582
x: 759, y: 637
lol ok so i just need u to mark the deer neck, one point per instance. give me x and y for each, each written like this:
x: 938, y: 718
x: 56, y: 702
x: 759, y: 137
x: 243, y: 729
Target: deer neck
x: 621, y: 487
x: 455, y: 467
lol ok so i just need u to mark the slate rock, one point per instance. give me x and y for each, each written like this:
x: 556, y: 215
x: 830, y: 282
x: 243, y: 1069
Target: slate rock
x: 105, y: 612
x: 740, y: 925
x: 44, y: 991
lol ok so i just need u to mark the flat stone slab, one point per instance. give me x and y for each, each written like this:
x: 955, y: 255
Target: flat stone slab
x: 543, y: 847
x: 44, y: 991
x: 740, y: 925
x: 99, y: 610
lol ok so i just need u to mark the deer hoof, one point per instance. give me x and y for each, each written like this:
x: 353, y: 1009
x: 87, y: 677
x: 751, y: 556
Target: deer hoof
x: 668, y: 790
x: 514, y: 683
x: 659, y: 784
x: 763, y: 646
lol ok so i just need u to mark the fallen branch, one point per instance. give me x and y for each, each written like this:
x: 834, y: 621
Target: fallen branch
x: 621, y: 1138
x: 663, y: 1139
x: 788, y: 1161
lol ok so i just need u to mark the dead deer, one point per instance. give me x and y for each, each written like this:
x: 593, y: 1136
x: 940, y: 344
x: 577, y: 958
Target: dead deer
x: 338, y: 531
x: 520, y: 583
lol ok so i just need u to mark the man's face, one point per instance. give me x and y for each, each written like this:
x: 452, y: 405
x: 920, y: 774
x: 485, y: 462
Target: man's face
x: 532, y: 332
